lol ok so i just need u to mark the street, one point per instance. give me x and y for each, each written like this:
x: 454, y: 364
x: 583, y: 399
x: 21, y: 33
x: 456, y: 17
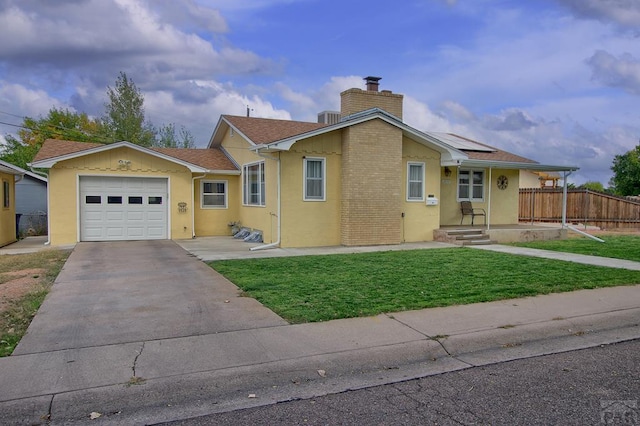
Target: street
x: 593, y: 386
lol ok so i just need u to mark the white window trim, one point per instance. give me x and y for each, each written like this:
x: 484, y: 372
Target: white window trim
x: 202, y: 194
x: 484, y: 185
x: 324, y: 178
x: 421, y: 164
x: 262, y: 194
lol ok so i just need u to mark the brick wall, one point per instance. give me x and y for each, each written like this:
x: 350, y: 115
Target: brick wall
x: 356, y: 100
x: 371, y: 184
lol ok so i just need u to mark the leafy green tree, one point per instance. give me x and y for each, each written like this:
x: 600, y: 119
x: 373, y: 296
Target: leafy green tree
x: 167, y: 137
x: 626, y: 173
x: 592, y: 186
x: 57, y: 124
x: 124, y: 116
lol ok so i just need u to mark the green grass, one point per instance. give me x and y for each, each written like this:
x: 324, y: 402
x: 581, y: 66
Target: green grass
x: 321, y: 288
x: 15, y: 320
x: 615, y: 246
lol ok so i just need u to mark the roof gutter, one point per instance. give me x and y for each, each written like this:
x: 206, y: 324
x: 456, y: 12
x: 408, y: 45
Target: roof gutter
x: 518, y: 166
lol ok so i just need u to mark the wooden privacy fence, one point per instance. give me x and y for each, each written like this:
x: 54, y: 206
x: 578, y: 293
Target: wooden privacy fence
x: 583, y: 206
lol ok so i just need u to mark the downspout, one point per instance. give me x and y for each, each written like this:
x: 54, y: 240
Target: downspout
x: 193, y: 209
x: 489, y: 204
x: 277, y: 243
x: 48, y: 242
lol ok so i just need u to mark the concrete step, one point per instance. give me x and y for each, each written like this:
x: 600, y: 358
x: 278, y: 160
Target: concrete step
x: 482, y: 242
x: 465, y: 231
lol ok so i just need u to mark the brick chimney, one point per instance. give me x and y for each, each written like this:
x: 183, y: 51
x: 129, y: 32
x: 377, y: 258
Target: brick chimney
x: 356, y: 100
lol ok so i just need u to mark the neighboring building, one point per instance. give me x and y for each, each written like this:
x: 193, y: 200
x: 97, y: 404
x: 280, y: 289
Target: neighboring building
x: 365, y: 179
x: 9, y: 174
x: 31, y: 203
x: 539, y: 179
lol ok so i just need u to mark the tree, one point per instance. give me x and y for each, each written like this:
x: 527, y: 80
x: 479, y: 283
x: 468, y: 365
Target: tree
x: 125, y: 114
x: 167, y: 138
x: 592, y: 186
x: 626, y: 173
x: 57, y: 124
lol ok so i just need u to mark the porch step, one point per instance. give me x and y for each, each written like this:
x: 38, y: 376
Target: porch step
x: 463, y: 237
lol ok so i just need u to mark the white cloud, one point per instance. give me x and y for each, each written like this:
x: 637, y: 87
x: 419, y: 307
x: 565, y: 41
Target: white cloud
x: 625, y: 13
x: 622, y: 72
x: 22, y: 101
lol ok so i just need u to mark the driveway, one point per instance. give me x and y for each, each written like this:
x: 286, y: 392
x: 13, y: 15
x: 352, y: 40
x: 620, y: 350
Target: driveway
x: 132, y: 291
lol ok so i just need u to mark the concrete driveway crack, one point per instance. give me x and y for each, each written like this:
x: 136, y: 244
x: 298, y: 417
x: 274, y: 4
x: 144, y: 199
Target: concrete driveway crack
x: 135, y: 360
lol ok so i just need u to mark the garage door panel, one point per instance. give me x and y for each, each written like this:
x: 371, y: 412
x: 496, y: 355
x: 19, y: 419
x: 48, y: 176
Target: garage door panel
x: 136, y: 216
x: 123, y: 208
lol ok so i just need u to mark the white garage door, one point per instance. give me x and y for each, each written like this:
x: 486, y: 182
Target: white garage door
x: 122, y: 208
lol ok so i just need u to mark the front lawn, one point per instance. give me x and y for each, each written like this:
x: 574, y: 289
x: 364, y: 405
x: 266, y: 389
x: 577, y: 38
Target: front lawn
x: 25, y: 280
x: 321, y: 288
x: 616, y: 246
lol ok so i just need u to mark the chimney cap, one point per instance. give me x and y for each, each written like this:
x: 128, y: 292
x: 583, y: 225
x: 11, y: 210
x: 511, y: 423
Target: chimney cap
x: 372, y: 83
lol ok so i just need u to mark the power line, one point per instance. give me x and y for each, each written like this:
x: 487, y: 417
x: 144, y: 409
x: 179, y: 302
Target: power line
x: 13, y: 115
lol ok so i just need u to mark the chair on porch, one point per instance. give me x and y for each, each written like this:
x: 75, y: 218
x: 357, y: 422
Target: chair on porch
x: 467, y: 210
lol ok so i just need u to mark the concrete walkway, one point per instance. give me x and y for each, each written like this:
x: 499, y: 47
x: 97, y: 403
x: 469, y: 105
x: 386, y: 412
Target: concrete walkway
x: 568, y: 257
x: 161, y: 379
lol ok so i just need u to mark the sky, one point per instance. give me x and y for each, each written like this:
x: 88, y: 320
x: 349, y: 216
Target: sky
x: 556, y: 81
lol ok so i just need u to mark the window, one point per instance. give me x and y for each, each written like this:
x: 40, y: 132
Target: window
x: 415, y: 181
x: 213, y: 194
x: 6, y: 197
x: 471, y: 185
x: 114, y: 199
x: 93, y: 199
x: 155, y: 200
x: 253, y: 184
x: 135, y: 200
x: 314, y: 179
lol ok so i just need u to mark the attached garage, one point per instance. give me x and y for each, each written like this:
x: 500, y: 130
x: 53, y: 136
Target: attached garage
x: 123, y: 208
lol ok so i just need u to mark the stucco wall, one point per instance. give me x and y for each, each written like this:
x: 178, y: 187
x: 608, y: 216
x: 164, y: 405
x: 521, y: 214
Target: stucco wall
x: 419, y: 219
x: 311, y: 223
x: 263, y: 218
x: 64, y: 186
x: 214, y: 221
x: 7, y: 214
x: 504, y: 203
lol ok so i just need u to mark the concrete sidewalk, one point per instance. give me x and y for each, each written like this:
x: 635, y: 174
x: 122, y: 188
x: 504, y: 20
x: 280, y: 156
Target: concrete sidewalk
x: 165, y: 379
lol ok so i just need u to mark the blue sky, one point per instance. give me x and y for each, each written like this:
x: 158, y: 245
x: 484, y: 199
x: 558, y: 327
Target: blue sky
x: 557, y: 81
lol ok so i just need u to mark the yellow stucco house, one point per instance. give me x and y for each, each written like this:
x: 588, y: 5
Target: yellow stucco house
x: 9, y: 174
x: 363, y: 177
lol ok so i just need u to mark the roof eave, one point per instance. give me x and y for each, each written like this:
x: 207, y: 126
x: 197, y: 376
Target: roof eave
x: 221, y: 128
x: 449, y: 155
x: 223, y: 172
x: 50, y: 162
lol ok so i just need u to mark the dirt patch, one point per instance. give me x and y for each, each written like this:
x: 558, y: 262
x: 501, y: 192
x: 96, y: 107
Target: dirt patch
x: 18, y: 284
